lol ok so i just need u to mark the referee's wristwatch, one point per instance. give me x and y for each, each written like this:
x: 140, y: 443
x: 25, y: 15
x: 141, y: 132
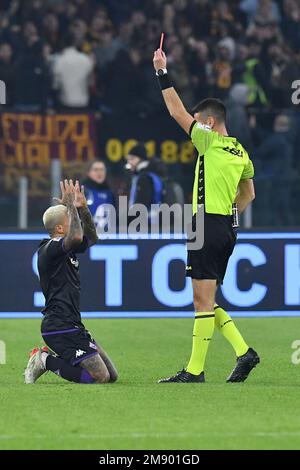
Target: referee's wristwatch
x: 161, y: 72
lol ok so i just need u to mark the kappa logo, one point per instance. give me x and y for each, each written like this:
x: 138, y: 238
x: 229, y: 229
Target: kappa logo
x: 75, y: 262
x: 188, y: 268
x: 79, y: 352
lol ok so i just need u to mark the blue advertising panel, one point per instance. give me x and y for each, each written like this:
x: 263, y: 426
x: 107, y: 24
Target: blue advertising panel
x: 122, y: 277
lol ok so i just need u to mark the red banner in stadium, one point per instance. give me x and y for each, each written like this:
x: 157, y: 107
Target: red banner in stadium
x: 30, y: 141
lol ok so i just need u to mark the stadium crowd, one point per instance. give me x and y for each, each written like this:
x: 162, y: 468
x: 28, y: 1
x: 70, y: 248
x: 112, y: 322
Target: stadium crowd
x: 97, y: 54
x: 210, y: 46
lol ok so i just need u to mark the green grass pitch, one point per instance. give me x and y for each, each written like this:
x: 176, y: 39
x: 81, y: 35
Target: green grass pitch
x: 136, y: 412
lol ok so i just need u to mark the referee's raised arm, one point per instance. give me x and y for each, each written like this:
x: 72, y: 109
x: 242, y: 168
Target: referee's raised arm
x: 173, y: 102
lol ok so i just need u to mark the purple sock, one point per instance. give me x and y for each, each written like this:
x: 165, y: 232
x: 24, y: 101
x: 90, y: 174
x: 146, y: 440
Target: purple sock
x: 86, y: 378
x: 66, y: 371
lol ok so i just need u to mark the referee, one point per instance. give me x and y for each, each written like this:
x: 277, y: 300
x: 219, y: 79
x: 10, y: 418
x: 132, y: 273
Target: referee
x: 223, y: 175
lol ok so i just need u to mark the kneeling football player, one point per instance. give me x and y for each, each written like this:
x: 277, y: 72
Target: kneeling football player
x: 72, y: 354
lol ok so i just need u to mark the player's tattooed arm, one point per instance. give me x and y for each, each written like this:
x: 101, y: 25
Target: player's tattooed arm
x: 75, y: 235
x: 89, y: 229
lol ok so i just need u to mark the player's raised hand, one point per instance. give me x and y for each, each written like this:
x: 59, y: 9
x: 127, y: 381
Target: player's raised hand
x: 67, y: 193
x: 159, y: 59
x: 80, y: 200
x: 62, y: 188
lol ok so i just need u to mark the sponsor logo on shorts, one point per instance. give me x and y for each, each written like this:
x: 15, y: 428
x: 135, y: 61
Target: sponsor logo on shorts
x: 93, y: 346
x: 75, y: 262
x: 188, y: 268
x: 79, y: 352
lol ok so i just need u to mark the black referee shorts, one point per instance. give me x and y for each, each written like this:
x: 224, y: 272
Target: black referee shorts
x: 210, y: 262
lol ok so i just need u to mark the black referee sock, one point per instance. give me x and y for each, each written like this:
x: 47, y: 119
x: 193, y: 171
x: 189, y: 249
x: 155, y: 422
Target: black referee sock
x: 66, y: 371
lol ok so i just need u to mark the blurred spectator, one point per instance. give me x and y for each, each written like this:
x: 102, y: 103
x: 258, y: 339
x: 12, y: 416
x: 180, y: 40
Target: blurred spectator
x: 237, y: 117
x: 124, y: 86
x: 274, y: 163
x: 180, y: 74
x: 51, y: 32
x: 264, y: 33
x: 98, y: 23
x: 282, y: 69
x: 139, y: 21
x: 254, y: 76
x: 267, y: 12
x: 98, y: 192
x: 8, y: 72
x: 222, y: 69
x: 260, y: 8
x: 291, y: 23
x: 72, y: 73
x: 146, y: 184
x: 168, y: 18
x: 33, y: 87
x: 201, y: 69
x: 107, y: 47
x: 78, y: 30
x: 239, y: 62
x: 125, y: 34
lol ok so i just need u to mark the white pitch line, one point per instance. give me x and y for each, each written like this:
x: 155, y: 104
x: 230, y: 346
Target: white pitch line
x: 157, y: 435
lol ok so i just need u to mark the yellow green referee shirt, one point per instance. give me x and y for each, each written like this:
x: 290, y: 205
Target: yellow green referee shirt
x: 222, y: 162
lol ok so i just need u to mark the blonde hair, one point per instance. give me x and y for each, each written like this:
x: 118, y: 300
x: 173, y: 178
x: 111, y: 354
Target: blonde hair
x: 54, y: 216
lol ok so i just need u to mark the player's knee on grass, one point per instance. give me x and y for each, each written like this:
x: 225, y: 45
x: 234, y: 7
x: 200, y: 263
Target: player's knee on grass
x: 102, y: 378
x: 109, y: 364
x: 114, y: 376
x: 97, y: 369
